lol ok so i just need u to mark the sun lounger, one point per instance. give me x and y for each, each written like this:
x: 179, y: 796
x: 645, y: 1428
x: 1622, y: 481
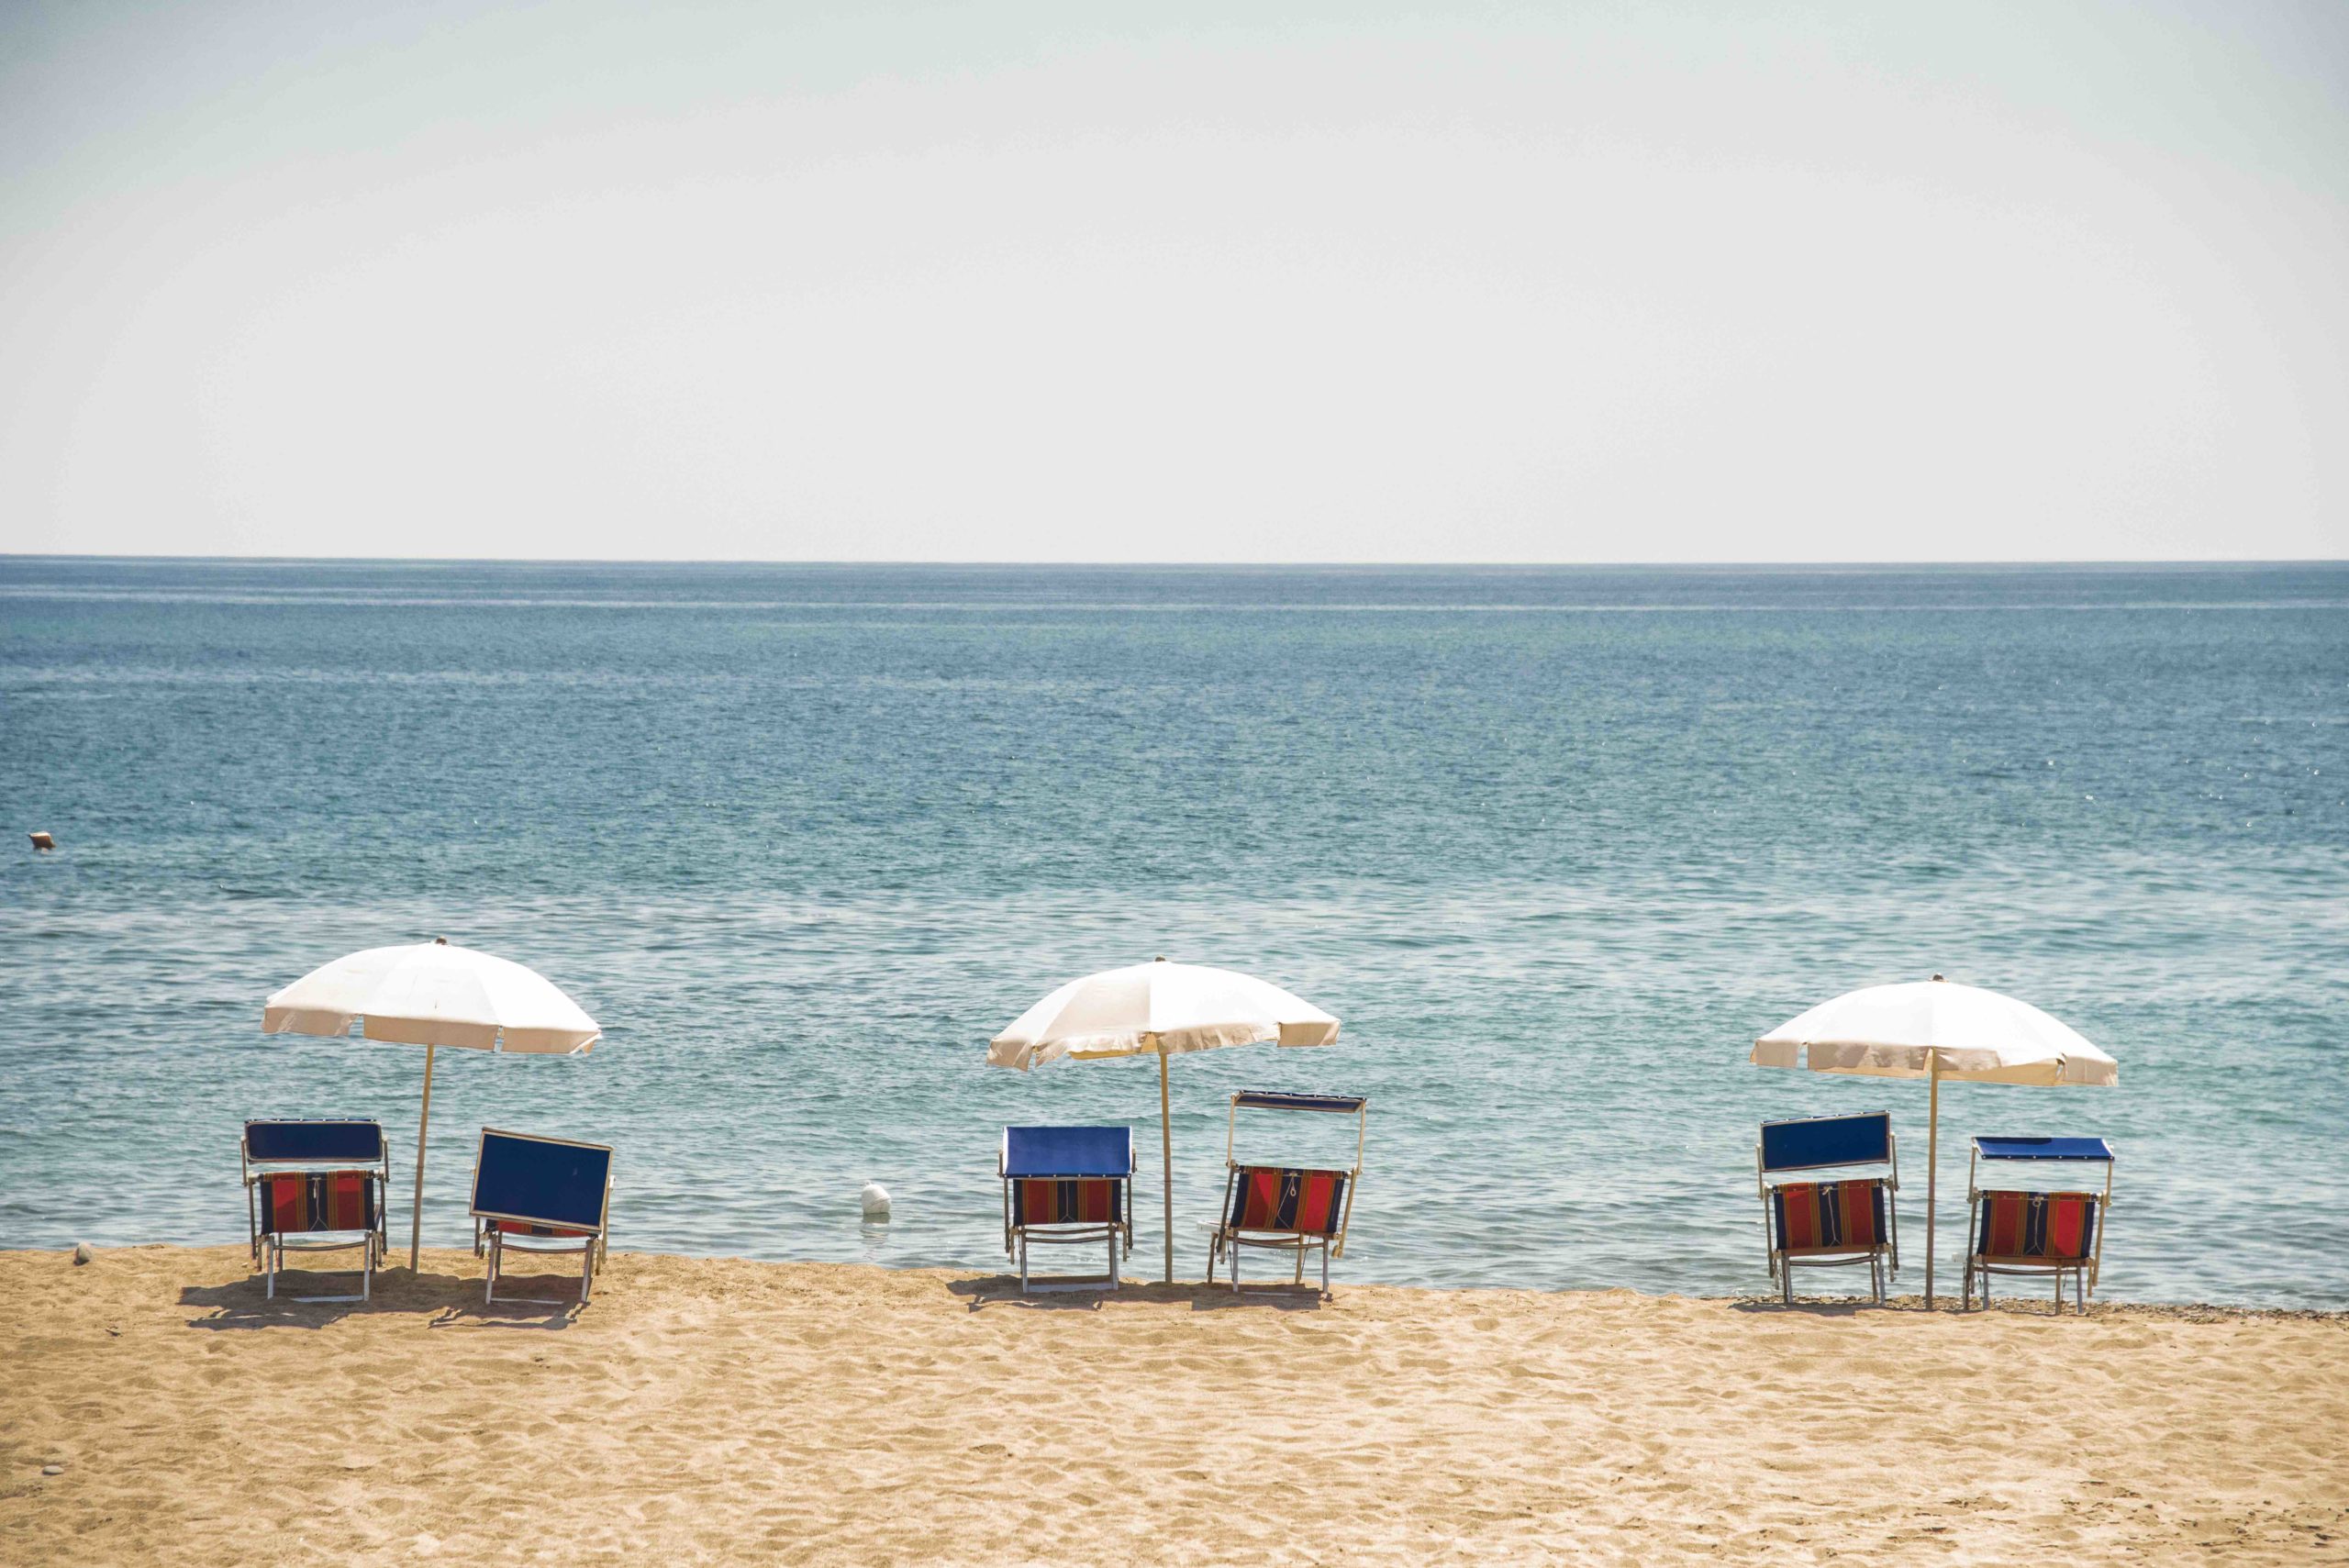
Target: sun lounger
x: 1293, y: 1208
x: 1067, y: 1185
x: 315, y: 1186
x: 540, y: 1196
x: 1849, y: 1219
x: 2024, y: 1231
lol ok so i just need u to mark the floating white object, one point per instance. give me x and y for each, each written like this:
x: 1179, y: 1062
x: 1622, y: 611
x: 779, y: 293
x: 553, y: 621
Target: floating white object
x: 876, y: 1198
x: 43, y: 841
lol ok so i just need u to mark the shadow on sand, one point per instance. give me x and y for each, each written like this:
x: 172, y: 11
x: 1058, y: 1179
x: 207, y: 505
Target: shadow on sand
x: 1774, y: 1307
x: 451, y: 1299
x: 1003, y: 1290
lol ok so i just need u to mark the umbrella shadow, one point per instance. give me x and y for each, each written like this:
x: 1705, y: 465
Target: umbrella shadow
x: 1003, y: 1290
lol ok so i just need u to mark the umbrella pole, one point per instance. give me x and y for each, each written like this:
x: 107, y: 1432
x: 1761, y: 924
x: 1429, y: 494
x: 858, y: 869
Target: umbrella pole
x: 417, y: 1209
x: 1166, y: 1148
x: 1932, y: 1160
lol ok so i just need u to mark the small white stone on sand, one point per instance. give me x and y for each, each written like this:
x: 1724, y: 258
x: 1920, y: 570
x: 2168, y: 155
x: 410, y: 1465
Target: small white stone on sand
x: 876, y: 1198
x: 53, y: 1470
x: 83, y: 1251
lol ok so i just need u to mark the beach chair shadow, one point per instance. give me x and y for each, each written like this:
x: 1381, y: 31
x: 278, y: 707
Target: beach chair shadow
x: 245, y: 1304
x: 469, y: 1310
x: 1003, y: 1290
x: 1844, y: 1308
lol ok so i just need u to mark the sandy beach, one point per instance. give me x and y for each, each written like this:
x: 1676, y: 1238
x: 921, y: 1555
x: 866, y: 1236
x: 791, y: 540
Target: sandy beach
x: 716, y: 1410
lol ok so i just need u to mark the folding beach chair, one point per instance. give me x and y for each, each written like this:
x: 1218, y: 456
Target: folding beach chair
x: 1849, y: 1219
x: 315, y: 1186
x: 540, y: 1196
x: 2025, y: 1231
x: 1065, y: 1186
x: 1289, y: 1209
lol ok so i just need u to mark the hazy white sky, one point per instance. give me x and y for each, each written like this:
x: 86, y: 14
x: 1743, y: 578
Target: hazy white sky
x: 1265, y: 282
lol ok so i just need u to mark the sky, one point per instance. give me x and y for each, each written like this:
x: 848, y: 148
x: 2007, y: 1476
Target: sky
x: 1350, y: 283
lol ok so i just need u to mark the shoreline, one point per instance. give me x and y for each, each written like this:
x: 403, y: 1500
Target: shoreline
x: 720, y: 1409
x: 2023, y: 1300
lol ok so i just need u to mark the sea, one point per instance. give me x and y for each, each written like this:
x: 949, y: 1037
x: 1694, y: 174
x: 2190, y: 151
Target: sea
x: 1554, y: 843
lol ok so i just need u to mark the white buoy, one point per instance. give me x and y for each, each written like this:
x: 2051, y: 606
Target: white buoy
x: 83, y: 1251
x: 876, y: 1198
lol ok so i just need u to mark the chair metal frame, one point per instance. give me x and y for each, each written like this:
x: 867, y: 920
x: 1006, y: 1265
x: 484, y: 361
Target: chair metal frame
x: 1228, y: 1239
x: 268, y: 1251
x: 590, y: 1245
x: 1018, y: 1234
x: 1883, y: 1258
x: 1982, y: 1266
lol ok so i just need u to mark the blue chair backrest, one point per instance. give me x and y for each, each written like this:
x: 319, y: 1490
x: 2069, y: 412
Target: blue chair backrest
x: 361, y: 1142
x: 541, y: 1179
x: 1068, y: 1152
x: 1275, y: 1100
x: 2044, y: 1148
x: 1823, y: 1140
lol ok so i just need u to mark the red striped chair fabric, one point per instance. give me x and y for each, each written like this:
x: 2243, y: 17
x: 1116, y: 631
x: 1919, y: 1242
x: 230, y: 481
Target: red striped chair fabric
x: 1828, y: 1217
x: 2037, y: 1227
x: 530, y: 1228
x: 1274, y: 1197
x: 296, y: 1202
x: 1084, y: 1200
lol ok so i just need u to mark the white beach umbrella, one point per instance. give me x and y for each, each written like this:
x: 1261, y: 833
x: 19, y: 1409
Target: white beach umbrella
x: 432, y: 994
x: 1935, y: 1030
x: 1158, y: 1009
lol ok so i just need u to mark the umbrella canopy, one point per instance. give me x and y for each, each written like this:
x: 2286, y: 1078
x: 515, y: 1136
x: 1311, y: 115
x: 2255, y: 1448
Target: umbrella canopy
x: 1935, y: 1030
x: 432, y: 994
x: 1159, y: 1009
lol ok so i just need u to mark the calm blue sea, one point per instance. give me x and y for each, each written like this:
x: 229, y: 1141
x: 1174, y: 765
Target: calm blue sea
x: 1556, y: 844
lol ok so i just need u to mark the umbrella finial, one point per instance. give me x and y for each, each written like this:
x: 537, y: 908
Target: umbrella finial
x: 1161, y: 959
x: 1937, y: 977
x: 444, y: 941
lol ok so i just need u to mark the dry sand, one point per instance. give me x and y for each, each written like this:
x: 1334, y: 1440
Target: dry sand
x: 721, y: 1411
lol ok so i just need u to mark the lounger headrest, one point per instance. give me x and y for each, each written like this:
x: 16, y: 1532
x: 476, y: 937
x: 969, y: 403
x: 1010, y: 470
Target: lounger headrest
x: 1068, y: 1152
x: 1823, y: 1140
x: 1277, y: 1100
x: 313, y: 1141
x: 2043, y: 1147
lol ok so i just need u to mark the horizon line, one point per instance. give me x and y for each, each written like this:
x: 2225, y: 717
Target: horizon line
x: 2103, y: 563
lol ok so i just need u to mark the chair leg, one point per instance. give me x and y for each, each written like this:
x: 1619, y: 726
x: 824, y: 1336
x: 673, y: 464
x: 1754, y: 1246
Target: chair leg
x: 1786, y: 1281
x: 269, y: 1270
x: 1325, y: 1268
x: 489, y: 1285
x: 1023, y: 1262
x: 587, y: 1273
